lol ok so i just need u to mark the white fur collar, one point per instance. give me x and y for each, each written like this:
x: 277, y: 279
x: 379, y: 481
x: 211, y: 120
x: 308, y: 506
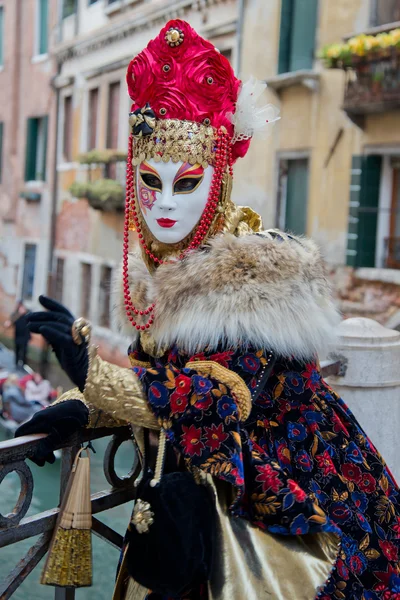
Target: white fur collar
x: 266, y: 291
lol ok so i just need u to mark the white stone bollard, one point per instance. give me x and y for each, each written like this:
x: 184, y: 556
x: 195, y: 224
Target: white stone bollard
x: 371, y: 385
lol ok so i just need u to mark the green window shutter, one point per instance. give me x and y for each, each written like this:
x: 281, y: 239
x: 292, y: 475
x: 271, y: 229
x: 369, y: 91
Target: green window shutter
x: 1, y: 150
x: 45, y: 126
x: 354, y: 203
x: 31, y: 149
x: 368, y: 211
x: 43, y: 26
x: 297, y: 196
x: 363, y: 210
x: 1, y: 35
x: 285, y: 35
x: 302, y: 45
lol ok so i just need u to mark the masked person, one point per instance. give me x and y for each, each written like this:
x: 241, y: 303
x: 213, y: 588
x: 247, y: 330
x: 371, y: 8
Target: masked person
x: 38, y: 390
x: 227, y: 322
x: 22, y: 335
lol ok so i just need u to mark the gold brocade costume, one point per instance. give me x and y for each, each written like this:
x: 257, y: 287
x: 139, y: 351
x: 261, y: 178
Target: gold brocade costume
x: 250, y: 563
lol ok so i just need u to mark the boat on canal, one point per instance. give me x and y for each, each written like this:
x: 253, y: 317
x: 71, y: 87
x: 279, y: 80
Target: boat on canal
x: 23, y: 392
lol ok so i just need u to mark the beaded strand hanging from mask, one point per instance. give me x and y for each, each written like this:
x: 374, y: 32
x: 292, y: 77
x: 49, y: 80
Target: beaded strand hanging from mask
x: 223, y: 163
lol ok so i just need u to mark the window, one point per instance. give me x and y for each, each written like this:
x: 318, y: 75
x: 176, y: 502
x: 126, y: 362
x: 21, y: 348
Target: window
x: 1, y: 150
x: 297, y: 35
x: 59, y: 282
x: 384, y: 12
x: 67, y: 129
x: 104, y: 296
x: 93, y: 105
x: 393, y: 242
x: 293, y: 195
x: 42, y: 26
x: 1, y: 36
x: 363, y: 210
x: 36, y: 146
x: 228, y: 54
x: 92, y: 2
x: 113, y: 115
x: 113, y: 124
x: 69, y: 8
x: 29, y: 271
x: 86, y: 286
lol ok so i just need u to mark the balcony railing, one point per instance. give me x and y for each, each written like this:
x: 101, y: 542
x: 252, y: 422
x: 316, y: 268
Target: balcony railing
x: 15, y: 527
x: 373, y: 86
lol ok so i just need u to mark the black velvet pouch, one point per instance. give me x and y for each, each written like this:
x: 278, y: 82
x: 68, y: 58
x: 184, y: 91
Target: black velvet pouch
x: 175, y: 552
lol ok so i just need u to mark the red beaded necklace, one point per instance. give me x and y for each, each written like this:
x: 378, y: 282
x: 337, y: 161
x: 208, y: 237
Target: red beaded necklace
x: 223, y: 158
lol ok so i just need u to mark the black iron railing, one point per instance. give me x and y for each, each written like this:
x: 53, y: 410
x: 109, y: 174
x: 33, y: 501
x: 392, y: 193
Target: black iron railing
x: 15, y: 526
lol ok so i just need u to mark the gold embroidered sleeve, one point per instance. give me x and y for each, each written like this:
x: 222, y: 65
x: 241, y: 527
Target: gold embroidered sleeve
x: 118, y: 393
x: 113, y: 396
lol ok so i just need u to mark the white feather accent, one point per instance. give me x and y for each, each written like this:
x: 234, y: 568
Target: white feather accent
x: 249, y: 119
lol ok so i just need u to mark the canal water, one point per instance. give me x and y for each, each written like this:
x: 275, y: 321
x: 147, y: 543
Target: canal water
x: 45, y: 496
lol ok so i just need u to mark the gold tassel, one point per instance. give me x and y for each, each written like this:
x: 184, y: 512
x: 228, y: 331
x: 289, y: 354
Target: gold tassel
x: 69, y: 561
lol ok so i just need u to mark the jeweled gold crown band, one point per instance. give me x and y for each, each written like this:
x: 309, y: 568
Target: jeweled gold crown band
x: 172, y: 139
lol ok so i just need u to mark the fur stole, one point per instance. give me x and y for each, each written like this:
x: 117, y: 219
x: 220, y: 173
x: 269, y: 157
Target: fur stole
x: 264, y: 290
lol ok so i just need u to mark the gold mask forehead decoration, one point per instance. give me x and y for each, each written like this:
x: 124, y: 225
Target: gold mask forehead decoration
x: 172, y: 139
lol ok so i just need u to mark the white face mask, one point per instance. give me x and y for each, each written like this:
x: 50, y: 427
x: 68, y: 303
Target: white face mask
x: 172, y: 197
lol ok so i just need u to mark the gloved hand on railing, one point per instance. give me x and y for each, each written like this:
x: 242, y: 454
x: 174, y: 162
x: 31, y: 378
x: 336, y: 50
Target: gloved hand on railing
x: 60, y: 422
x: 58, y: 326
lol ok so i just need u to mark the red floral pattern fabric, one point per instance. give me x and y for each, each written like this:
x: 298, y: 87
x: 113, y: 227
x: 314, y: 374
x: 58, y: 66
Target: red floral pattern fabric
x: 301, y: 463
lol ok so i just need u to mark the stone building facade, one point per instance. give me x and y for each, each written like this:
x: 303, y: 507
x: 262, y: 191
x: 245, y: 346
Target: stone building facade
x: 332, y: 168
x: 27, y: 123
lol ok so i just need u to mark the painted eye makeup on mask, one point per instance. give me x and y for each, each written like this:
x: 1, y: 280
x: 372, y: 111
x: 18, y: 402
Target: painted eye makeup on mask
x: 188, y: 179
x: 148, y: 185
x: 149, y: 177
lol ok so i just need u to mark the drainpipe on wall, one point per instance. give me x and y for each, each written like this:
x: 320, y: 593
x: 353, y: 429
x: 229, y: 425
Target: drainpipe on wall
x: 15, y: 115
x: 54, y: 194
x: 239, y: 38
x: 77, y: 18
x: 44, y: 359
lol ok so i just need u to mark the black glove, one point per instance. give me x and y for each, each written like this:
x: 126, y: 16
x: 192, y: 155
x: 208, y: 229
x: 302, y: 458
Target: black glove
x: 55, y: 325
x: 60, y: 422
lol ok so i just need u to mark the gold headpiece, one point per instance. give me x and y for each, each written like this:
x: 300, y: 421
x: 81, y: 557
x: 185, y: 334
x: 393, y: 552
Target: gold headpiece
x: 172, y: 139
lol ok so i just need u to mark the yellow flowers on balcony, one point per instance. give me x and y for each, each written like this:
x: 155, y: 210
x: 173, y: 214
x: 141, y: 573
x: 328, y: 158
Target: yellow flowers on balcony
x: 362, y: 46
